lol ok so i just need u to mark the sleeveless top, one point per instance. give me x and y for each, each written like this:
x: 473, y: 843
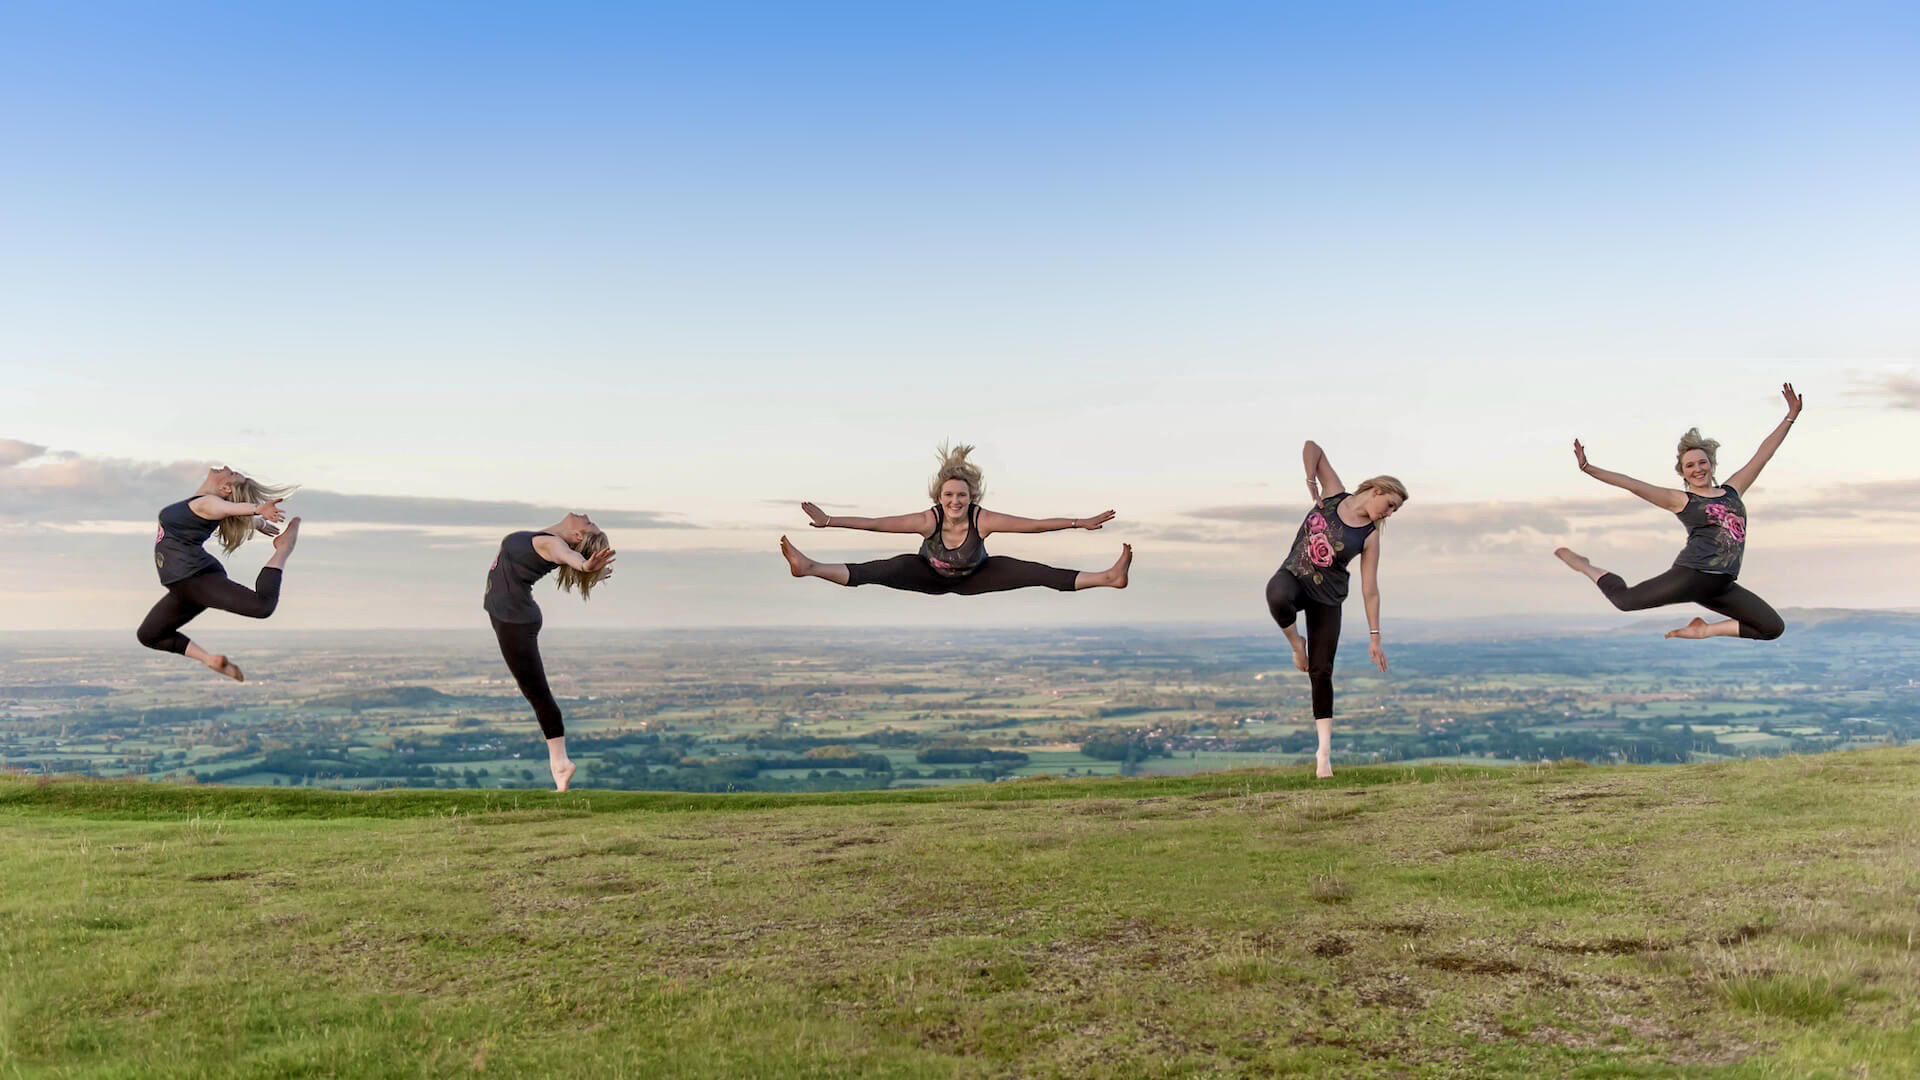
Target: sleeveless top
x: 959, y: 561
x: 510, y: 579
x: 1716, y: 532
x: 1322, y: 549
x: 177, y: 550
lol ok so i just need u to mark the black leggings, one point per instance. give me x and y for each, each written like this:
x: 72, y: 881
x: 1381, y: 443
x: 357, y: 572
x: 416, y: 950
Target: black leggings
x: 213, y: 589
x: 997, y: 574
x: 1286, y: 598
x: 520, y: 644
x: 1715, y: 592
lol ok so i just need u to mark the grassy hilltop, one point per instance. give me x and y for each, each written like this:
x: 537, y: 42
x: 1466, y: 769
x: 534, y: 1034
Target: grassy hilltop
x: 1750, y: 919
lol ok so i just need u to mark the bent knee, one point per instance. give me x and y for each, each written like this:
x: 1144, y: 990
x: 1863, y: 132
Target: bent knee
x: 1765, y: 631
x: 151, y: 639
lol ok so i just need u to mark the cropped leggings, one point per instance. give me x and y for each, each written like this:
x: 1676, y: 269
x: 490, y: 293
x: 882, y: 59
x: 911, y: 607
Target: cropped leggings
x: 520, y: 645
x: 1715, y: 592
x: 1287, y: 598
x: 213, y: 589
x: 998, y: 574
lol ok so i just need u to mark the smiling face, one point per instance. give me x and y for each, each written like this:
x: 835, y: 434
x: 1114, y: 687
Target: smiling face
x: 955, y: 498
x: 1696, y: 468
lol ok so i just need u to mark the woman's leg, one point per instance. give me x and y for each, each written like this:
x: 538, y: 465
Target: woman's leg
x: 1679, y: 585
x: 1113, y: 577
x: 1001, y: 573
x: 1283, y: 603
x: 906, y: 572
x: 800, y: 566
x: 520, y: 647
x: 161, y: 629
x: 222, y: 593
x: 1323, y: 641
x: 1746, y: 615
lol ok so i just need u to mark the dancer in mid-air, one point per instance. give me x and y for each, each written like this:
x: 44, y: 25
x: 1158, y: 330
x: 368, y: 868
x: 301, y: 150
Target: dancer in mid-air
x: 1313, y: 579
x: 578, y: 548
x: 1716, y: 521
x: 953, y: 554
x: 235, y: 506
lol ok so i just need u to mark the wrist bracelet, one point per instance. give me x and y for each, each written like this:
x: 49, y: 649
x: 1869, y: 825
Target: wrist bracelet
x: 1375, y: 633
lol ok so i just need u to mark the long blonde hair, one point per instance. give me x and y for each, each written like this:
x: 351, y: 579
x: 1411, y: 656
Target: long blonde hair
x: 595, y: 541
x: 1693, y: 440
x: 955, y: 466
x: 235, y: 531
x: 1386, y: 485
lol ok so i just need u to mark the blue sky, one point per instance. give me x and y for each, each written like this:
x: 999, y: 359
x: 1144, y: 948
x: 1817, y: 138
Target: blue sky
x: 698, y: 260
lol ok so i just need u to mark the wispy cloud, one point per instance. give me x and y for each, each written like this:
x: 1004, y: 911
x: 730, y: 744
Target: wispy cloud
x: 1893, y: 389
x: 13, y: 452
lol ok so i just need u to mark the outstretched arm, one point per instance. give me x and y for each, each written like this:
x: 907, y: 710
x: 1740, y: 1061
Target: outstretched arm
x: 993, y: 522
x: 1370, y: 592
x: 555, y: 550
x: 1322, y: 481
x: 1671, y: 500
x: 920, y: 522
x: 1750, y: 472
x: 215, y: 508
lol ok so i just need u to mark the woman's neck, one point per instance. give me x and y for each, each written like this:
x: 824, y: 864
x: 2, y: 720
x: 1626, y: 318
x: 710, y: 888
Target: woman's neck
x: 1341, y: 512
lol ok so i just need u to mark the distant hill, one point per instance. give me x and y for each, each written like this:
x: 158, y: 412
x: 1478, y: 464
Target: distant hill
x: 386, y: 697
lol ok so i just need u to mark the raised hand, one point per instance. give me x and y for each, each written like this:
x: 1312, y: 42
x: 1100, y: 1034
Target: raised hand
x: 1794, y: 401
x: 1378, y: 654
x: 1580, y: 455
x: 599, y: 560
x: 270, y: 511
x: 819, y: 517
x: 1097, y: 520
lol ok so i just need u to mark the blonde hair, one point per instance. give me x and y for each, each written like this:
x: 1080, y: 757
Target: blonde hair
x: 235, y: 531
x: 1386, y: 485
x: 594, y: 542
x: 1693, y: 440
x: 955, y: 466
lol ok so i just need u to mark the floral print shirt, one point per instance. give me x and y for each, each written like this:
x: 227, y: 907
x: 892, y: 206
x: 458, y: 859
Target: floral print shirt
x: 1716, y: 532
x: 1322, y: 549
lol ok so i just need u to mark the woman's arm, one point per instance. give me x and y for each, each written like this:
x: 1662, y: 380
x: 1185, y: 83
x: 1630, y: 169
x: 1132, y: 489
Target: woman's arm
x: 555, y: 550
x: 920, y: 522
x: 992, y: 522
x: 1322, y: 481
x: 1750, y: 472
x: 1370, y: 592
x: 1669, y: 499
x: 215, y: 508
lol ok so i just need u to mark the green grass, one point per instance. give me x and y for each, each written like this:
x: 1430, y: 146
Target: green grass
x: 1735, y: 919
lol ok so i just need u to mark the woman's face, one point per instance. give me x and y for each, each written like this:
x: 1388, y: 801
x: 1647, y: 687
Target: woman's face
x: 955, y: 497
x: 1696, y: 468
x: 221, y: 479
x: 574, y: 529
x: 1381, y: 505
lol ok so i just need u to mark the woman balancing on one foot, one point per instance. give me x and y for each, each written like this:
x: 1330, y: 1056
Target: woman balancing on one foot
x: 579, y: 549
x: 1314, y: 579
x: 953, y: 557
x: 236, y: 507
x: 1716, y: 521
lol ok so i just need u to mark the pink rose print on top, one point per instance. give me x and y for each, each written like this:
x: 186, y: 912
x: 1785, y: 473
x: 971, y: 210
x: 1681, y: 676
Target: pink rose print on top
x: 1730, y: 522
x: 159, y: 534
x: 1316, y: 523
x: 1319, y: 550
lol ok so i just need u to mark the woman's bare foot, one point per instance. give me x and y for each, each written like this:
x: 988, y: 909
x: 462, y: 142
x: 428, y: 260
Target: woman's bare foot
x: 1695, y: 629
x: 562, y: 771
x: 283, y: 544
x: 1117, y: 573
x: 1322, y: 766
x: 225, y: 667
x: 797, y: 564
x: 1299, y: 651
x: 1572, y: 558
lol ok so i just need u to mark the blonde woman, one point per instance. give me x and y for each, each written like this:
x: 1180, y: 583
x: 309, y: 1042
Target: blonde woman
x: 1313, y: 579
x: 579, y: 550
x: 953, y: 553
x: 235, y: 506
x: 1716, y: 521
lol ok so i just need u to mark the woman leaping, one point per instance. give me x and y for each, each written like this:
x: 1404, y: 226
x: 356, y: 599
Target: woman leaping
x: 1716, y: 521
x: 953, y: 554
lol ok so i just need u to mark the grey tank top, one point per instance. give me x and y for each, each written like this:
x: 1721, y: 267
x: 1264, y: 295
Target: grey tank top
x: 1322, y: 549
x: 957, y: 561
x: 1716, y: 532
x: 510, y: 579
x: 179, y: 550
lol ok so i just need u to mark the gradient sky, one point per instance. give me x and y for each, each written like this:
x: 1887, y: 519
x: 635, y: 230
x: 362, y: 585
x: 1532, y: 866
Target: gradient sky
x: 456, y: 266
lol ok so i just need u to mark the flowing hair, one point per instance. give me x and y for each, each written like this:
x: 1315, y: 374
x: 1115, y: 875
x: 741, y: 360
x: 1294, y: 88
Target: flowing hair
x: 591, y: 544
x: 235, y: 531
x: 1386, y: 485
x: 955, y: 466
x: 1693, y: 440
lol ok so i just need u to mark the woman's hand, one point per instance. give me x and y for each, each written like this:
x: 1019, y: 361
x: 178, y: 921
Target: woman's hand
x: 265, y: 529
x: 1580, y: 455
x: 270, y: 511
x: 1794, y: 401
x: 598, y: 561
x: 1378, y: 654
x: 1094, y: 522
x: 817, y: 516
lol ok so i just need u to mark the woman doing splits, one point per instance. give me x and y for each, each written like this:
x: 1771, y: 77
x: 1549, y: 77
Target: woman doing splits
x: 579, y: 549
x: 236, y: 507
x: 1314, y: 579
x: 1716, y: 521
x: 953, y: 556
